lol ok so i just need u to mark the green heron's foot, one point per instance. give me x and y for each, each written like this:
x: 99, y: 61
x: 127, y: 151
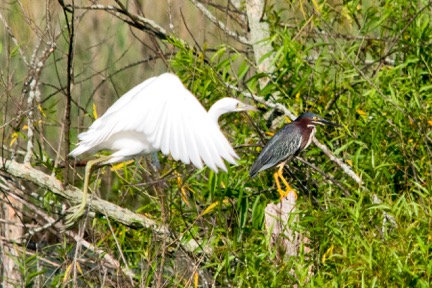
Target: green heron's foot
x: 282, y: 193
x: 294, y: 192
x: 74, y: 214
x: 285, y: 193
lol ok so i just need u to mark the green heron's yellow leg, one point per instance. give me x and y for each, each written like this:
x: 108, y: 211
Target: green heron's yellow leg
x: 279, y: 174
x: 77, y: 211
x: 280, y: 191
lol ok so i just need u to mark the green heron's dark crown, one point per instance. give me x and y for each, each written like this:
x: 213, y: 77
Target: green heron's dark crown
x: 307, y: 115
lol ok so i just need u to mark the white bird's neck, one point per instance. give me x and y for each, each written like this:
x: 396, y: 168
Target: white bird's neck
x: 216, y: 110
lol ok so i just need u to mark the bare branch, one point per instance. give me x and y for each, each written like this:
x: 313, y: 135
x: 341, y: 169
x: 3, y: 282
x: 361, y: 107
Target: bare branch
x: 17, y: 194
x: 11, y: 35
x: 134, y: 20
x: 259, y: 33
x: 70, y: 80
x: 345, y: 167
x: 117, y: 213
x: 30, y: 120
x: 277, y: 219
x: 219, y: 24
x: 31, y: 86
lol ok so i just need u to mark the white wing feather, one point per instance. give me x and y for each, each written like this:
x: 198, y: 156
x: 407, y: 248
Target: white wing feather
x: 170, y: 119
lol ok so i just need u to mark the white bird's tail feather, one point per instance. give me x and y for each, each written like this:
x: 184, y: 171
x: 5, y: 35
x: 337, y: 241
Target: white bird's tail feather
x: 80, y: 149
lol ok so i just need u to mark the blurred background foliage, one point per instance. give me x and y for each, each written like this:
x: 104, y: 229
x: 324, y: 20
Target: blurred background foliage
x: 363, y: 64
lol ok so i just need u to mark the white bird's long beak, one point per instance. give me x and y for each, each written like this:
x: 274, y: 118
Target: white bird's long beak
x: 246, y: 107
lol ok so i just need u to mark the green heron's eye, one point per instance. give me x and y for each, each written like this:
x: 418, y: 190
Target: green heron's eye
x: 315, y: 118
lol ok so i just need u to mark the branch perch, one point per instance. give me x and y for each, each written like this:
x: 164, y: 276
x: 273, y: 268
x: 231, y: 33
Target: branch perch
x: 73, y: 194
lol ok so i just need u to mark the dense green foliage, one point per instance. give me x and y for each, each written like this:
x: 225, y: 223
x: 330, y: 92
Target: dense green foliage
x: 365, y: 65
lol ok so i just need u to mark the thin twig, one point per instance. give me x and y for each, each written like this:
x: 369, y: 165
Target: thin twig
x: 11, y: 35
x: 51, y: 222
x: 219, y: 24
x: 70, y: 24
x: 331, y: 178
x: 131, y: 275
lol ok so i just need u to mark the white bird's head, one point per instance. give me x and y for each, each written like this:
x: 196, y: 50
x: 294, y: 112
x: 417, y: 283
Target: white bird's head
x: 227, y: 105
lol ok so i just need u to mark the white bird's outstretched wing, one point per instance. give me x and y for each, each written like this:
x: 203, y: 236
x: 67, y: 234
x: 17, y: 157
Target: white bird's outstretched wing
x: 169, y: 117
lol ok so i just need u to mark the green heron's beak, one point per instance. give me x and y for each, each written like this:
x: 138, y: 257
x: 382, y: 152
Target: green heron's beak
x: 326, y: 122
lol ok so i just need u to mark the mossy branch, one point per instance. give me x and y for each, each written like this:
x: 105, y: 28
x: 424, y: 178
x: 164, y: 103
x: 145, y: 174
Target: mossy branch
x: 73, y: 194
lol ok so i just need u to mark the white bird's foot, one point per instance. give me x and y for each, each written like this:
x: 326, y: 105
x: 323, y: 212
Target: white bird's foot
x: 74, y: 214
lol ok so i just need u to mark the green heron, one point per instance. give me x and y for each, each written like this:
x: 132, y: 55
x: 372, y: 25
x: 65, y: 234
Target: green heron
x: 285, y: 144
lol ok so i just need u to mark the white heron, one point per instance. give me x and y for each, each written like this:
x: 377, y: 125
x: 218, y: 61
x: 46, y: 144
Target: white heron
x: 158, y: 114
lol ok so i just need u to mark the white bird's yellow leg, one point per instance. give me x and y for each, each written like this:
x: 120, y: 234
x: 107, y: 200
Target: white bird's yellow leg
x: 77, y: 211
